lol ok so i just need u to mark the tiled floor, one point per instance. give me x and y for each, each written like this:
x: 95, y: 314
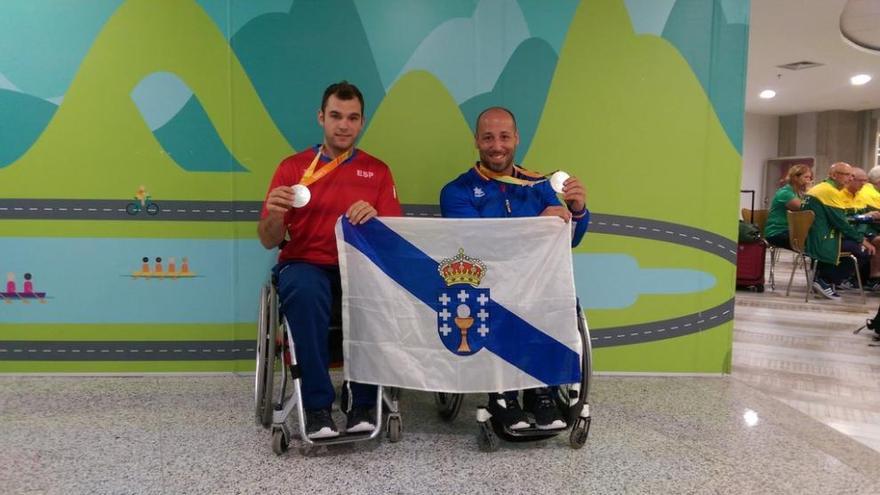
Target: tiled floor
x: 196, y: 435
x: 806, y: 355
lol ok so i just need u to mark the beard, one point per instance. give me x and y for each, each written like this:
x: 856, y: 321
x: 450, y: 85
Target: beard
x: 496, y: 166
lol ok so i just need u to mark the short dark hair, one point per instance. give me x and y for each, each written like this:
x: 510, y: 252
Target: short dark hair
x: 507, y: 111
x: 343, y: 90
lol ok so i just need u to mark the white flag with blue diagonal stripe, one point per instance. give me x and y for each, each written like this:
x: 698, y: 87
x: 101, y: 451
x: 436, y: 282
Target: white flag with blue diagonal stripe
x: 459, y: 305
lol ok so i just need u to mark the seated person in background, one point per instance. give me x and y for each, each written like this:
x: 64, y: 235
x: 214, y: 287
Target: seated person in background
x: 343, y: 180
x: 496, y: 188
x: 872, y: 194
x: 831, y: 232
x: 788, y: 197
x: 860, y: 195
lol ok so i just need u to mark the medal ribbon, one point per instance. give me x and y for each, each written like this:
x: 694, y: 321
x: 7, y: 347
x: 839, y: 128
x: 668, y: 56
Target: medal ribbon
x: 535, y: 177
x: 310, y: 176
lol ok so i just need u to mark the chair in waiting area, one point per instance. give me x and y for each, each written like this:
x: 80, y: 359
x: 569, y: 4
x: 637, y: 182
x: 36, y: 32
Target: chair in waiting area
x: 799, y: 223
x: 759, y: 218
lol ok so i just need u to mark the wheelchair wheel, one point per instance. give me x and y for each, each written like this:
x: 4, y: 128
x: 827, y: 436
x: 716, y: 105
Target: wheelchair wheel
x: 571, y: 398
x: 448, y: 405
x: 280, y: 441
x: 487, y: 440
x: 266, y: 354
x: 579, y: 433
x: 394, y: 428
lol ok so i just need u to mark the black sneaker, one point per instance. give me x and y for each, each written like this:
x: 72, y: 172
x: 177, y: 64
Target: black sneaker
x: 319, y: 424
x: 824, y: 289
x: 873, y: 285
x: 547, y: 415
x: 508, y: 412
x: 360, y: 420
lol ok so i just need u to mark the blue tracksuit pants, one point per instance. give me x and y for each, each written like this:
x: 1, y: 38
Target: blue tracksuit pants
x: 306, y: 292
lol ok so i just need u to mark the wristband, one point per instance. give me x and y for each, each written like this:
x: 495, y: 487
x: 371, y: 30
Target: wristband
x: 578, y: 215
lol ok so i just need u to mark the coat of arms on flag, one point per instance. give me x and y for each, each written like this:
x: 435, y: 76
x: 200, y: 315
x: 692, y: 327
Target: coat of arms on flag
x: 463, y: 308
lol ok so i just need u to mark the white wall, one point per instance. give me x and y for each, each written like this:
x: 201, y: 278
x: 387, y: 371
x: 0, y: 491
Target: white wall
x: 760, y: 142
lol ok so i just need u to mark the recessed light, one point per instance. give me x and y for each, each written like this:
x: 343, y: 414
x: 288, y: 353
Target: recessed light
x: 859, y: 79
x: 767, y: 94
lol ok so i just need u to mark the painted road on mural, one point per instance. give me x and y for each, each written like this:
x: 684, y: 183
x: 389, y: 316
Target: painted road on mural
x: 127, y: 351
x: 120, y: 209
x: 245, y: 349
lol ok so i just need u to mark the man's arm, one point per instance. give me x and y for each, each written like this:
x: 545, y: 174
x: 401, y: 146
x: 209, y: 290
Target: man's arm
x: 271, y: 227
x: 387, y: 202
x: 837, y: 219
x: 575, y: 209
x: 575, y: 196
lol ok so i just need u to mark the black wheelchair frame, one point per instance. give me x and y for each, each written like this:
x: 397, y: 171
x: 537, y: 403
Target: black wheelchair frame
x: 571, y: 400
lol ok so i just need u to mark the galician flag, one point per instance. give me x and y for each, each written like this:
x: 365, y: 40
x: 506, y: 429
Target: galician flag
x: 459, y: 305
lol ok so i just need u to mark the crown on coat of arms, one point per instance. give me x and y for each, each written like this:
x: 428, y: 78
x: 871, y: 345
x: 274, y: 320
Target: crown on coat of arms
x: 462, y: 269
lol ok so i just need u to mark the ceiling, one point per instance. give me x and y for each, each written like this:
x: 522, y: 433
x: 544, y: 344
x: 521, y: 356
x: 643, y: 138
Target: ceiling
x: 786, y: 31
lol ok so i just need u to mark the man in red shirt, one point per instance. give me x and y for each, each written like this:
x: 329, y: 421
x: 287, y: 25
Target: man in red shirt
x: 309, y: 191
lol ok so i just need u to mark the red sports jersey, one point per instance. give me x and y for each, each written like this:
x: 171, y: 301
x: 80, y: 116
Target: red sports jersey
x: 311, y: 228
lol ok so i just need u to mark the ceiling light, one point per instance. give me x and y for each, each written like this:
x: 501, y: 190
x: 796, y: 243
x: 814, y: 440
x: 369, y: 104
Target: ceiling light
x: 767, y: 94
x: 859, y: 79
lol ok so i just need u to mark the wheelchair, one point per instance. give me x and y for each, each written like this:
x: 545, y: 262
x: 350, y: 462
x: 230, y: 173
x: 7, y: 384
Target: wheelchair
x: 275, y: 401
x: 571, y: 400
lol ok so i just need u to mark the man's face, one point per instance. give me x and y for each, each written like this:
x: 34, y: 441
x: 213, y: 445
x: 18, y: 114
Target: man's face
x: 496, y: 139
x: 842, y: 175
x: 859, y: 179
x: 342, y: 122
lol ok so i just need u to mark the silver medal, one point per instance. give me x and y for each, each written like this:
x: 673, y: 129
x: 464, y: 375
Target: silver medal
x: 557, y: 181
x: 301, y: 195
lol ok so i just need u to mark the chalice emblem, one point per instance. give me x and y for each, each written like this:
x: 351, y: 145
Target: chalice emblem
x: 463, y: 321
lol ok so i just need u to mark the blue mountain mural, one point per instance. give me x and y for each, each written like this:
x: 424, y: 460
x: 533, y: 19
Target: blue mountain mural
x: 291, y: 58
x: 23, y: 119
x: 699, y: 29
x: 192, y: 141
x: 522, y: 87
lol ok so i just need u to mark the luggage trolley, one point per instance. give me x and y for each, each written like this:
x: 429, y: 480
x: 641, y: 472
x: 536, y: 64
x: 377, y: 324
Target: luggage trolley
x: 273, y: 402
x: 571, y: 401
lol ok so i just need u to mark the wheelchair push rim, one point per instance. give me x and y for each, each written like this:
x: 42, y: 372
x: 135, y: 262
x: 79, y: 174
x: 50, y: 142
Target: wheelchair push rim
x: 266, y: 355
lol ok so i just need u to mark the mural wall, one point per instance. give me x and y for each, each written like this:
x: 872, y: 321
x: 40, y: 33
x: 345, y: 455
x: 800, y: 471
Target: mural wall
x: 138, y: 137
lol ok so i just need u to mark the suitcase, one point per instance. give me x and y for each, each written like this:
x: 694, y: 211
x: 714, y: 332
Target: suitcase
x: 750, y: 261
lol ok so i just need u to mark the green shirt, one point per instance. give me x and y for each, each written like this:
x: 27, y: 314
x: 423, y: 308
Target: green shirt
x: 777, y: 219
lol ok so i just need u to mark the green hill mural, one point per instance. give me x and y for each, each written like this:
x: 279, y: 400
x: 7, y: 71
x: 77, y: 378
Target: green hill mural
x: 627, y: 115
x: 98, y: 146
x: 420, y: 133
x: 521, y: 87
x: 292, y: 57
